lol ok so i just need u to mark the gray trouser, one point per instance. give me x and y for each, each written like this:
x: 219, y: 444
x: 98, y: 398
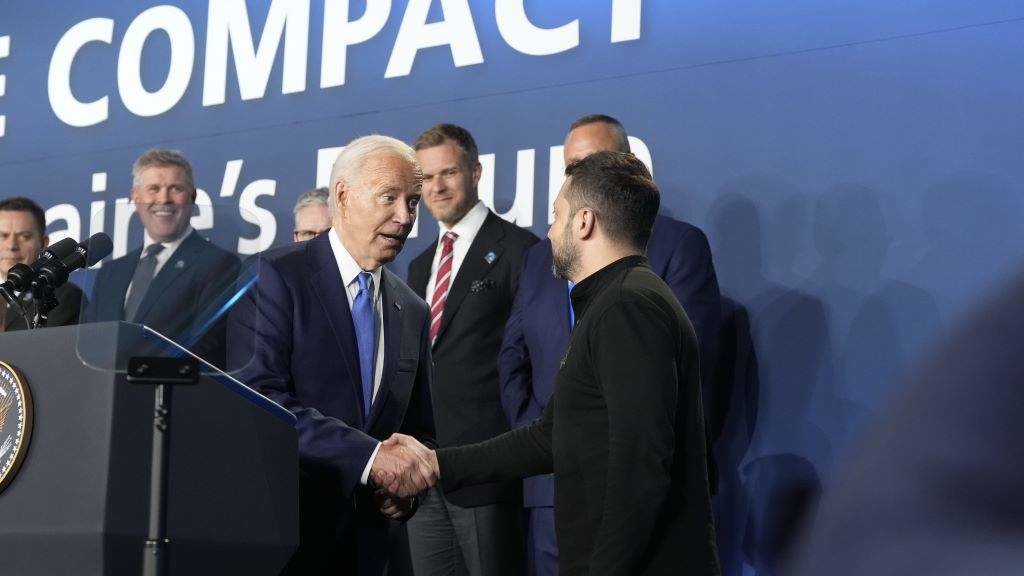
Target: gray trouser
x: 449, y: 540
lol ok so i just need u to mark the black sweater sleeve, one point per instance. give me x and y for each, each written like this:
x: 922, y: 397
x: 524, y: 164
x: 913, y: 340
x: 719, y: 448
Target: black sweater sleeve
x: 518, y: 453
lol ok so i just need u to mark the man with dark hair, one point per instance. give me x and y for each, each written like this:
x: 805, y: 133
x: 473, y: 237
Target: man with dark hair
x: 624, y: 432
x: 469, y: 276
x: 542, y: 320
x: 177, y: 280
x: 22, y: 238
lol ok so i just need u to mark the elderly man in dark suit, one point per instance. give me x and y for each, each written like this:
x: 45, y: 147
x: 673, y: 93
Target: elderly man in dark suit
x: 469, y: 276
x: 541, y: 321
x: 624, y: 431
x: 177, y: 281
x: 22, y: 238
x: 330, y: 334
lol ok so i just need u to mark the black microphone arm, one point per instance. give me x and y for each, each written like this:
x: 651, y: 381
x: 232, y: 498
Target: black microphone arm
x: 20, y: 276
x: 54, y: 273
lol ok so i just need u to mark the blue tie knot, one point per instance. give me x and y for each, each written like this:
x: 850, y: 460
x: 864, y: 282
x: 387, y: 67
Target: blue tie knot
x: 364, y: 279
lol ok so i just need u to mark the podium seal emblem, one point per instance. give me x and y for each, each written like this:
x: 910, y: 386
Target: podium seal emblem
x: 15, y: 422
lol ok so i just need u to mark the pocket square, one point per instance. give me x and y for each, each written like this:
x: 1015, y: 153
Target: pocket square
x: 481, y: 285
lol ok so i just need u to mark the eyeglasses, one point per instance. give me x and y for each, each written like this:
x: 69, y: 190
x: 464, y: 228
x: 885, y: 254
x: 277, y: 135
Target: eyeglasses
x: 303, y: 235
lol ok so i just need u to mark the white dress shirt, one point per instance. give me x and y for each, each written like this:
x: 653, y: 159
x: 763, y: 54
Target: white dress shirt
x: 467, y: 229
x: 349, y: 276
x: 169, y: 249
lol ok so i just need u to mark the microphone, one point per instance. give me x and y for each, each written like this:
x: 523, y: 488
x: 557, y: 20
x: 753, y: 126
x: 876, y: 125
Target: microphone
x: 20, y: 276
x: 54, y: 273
x: 96, y: 248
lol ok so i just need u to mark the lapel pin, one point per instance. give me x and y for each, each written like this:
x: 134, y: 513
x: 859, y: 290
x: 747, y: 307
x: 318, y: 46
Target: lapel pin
x: 398, y: 305
x: 490, y: 257
x: 179, y: 264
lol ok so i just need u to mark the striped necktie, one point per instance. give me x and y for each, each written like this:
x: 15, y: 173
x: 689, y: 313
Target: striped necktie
x: 441, y: 285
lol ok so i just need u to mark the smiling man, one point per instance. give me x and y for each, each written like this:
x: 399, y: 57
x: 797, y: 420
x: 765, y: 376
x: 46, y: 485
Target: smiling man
x: 177, y: 279
x: 469, y: 276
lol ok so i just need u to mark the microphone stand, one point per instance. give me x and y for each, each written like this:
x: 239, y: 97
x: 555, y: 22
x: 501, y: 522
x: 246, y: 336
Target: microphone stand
x: 46, y: 301
x: 15, y: 305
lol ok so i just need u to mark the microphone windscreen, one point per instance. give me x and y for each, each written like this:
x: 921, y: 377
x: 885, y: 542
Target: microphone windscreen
x: 99, y: 246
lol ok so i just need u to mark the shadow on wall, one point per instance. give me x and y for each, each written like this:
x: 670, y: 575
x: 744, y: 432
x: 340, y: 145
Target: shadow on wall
x: 879, y: 324
x: 816, y: 336
x: 973, y: 235
x: 776, y: 365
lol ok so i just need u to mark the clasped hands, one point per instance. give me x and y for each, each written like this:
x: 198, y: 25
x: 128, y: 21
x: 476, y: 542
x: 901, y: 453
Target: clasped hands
x: 402, y: 468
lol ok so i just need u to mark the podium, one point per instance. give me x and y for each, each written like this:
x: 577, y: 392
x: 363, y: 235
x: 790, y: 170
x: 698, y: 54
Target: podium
x: 80, y: 502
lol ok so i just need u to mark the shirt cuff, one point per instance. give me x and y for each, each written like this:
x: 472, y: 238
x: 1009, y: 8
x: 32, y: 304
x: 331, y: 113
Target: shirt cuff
x: 364, y: 479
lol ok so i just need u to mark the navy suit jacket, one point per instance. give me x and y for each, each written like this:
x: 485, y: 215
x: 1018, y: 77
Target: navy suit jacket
x: 537, y: 331
x: 292, y: 339
x: 182, y: 300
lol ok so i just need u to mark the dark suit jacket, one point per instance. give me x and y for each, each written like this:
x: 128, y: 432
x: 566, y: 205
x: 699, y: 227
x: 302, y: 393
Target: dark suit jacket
x: 65, y: 314
x: 292, y: 338
x: 467, y: 406
x: 623, y: 433
x: 538, y: 328
x: 185, y: 295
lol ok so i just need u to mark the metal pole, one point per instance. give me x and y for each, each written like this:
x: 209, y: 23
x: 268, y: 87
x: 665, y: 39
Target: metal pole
x: 154, y: 559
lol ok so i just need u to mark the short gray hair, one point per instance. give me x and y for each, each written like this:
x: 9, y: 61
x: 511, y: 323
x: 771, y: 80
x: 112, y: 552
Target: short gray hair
x: 310, y: 198
x: 161, y: 157
x: 348, y: 167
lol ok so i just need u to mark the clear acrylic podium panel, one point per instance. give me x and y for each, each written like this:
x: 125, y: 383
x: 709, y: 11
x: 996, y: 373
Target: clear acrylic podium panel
x: 194, y: 284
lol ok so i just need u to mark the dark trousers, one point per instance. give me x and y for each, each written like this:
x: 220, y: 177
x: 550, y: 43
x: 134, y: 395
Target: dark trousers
x: 542, y: 553
x: 449, y: 540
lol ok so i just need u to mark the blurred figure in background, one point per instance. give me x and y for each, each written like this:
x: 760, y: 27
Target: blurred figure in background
x: 312, y: 217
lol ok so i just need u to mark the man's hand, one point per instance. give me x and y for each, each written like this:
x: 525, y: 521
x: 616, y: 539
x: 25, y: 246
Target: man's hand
x: 404, y: 467
x: 393, y: 507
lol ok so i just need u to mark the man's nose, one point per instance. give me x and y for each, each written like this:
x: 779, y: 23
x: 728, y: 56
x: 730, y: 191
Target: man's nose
x: 405, y: 215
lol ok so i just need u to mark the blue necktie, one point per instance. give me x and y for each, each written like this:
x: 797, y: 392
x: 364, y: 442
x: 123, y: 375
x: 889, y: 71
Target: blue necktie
x: 572, y: 313
x: 366, y: 337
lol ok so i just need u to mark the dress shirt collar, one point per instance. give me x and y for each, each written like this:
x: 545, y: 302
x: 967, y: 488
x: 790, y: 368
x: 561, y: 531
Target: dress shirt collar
x: 468, y: 226
x: 347, y: 264
x: 169, y: 247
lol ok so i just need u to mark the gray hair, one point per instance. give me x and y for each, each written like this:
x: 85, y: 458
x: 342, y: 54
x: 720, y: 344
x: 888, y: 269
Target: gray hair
x: 310, y: 198
x: 348, y: 167
x: 161, y: 157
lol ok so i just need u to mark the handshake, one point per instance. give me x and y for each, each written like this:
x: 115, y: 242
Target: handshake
x: 402, y: 469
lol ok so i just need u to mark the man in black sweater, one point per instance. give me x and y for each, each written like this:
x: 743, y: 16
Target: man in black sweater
x: 624, y: 431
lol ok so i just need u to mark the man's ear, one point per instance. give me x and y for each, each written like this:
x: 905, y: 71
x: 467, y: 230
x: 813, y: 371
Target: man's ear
x: 478, y: 171
x: 46, y: 241
x: 586, y: 226
x: 339, y: 194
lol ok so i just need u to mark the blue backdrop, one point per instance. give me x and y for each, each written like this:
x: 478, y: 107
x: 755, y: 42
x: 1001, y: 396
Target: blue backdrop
x: 856, y: 166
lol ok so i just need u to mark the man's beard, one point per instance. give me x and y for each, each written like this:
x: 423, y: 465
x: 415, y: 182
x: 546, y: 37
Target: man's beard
x: 565, y: 256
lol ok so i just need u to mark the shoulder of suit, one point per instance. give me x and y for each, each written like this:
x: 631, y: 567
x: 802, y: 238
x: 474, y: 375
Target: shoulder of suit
x: 518, y: 233
x: 676, y: 231
x: 403, y: 292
